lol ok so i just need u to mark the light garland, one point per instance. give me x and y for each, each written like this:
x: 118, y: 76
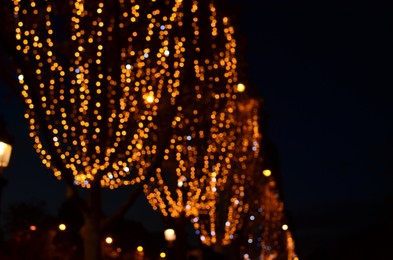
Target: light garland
x: 213, y: 139
x: 213, y: 181
x: 99, y: 97
x: 266, y: 234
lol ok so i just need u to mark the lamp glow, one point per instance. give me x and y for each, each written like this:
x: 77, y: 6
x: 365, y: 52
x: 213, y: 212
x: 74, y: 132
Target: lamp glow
x: 170, y: 235
x: 62, y: 227
x: 5, y: 154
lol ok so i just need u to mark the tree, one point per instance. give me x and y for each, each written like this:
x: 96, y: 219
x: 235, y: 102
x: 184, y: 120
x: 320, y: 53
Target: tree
x: 216, y: 222
x: 113, y: 88
x: 266, y: 232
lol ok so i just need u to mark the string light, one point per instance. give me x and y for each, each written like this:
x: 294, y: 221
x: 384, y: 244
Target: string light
x: 103, y: 99
x: 97, y: 96
x: 266, y: 226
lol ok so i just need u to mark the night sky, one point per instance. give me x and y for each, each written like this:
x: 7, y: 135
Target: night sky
x: 324, y: 69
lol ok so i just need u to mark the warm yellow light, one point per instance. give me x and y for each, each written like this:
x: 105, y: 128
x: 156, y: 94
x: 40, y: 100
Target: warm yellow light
x: 170, y: 235
x: 109, y: 240
x: 5, y: 154
x: 296, y: 258
x: 162, y: 255
x: 149, y: 97
x: 267, y: 173
x: 284, y: 227
x: 139, y: 248
x: 62, y: 227
x: 33, y: 228
x: 241, y: 87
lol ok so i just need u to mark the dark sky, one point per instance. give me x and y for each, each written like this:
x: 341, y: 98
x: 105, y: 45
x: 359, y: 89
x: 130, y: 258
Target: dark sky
x: 324, y: 69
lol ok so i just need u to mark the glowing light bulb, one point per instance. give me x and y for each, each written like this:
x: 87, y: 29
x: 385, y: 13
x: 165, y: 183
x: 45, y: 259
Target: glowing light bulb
x: 267, y: 173
x: 109, y: 240
x: 149, y: 97
x: 62, y: 227
x: 241, y: 87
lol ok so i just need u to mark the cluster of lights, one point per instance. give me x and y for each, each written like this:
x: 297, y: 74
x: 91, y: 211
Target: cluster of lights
x: 97, y: 116
x: 266, y: 234
x: 214, y: 132
x: 102, y: 118
x: 219, y: 224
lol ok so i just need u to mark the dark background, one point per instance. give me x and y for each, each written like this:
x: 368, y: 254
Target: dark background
x: 324, y: 69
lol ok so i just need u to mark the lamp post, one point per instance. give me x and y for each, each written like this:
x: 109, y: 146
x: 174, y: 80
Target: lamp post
x: 170, y: 237
x: 5, y: 155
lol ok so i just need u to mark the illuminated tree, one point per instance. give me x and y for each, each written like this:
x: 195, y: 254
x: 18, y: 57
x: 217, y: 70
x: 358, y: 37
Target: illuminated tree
x: 211, y: 170
x: 265, y: 233
x: 218, y: 223
x: 120, y: 92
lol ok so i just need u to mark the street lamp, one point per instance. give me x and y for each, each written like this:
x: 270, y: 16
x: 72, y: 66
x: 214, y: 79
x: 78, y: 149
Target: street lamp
x: 170, y: 235
x: 5, y: 155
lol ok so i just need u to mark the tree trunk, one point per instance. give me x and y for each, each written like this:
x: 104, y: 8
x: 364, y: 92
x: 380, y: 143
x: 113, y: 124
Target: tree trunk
x: 90, y: 233
x: 91, y: 230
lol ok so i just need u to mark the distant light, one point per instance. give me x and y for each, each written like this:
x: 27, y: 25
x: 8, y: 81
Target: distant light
x: 285, y: 227
x: 33, y: 228
x: 5, y: 154
x: 189, y: 137
x: 227, y: 223
x: 77, y: 70
x: 170, y: 235
x: 241, y: 87
x: 252, y: 217
x: 109, y: 240
x: 62, y: 227
x: 267, y: 173
x: 139, y: 248
x: 250, y: 240
x: 20, y: 77
x: 246, y: 256
x: 214, y: 189
x: 162, y: 255
x: 146, y: 55
x: 126, y: 169
x: 203, y: 238
x: 55, y: 139
x: 162, y: 27
x: 213, y: 233
x: 128, y: 66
